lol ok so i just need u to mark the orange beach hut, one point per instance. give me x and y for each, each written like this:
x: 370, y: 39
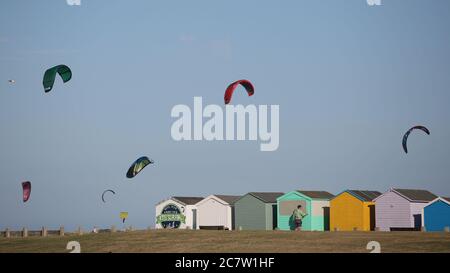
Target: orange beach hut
x: 353, y: 210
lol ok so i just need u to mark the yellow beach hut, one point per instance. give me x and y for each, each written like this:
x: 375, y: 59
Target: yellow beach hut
x: 353, y: 210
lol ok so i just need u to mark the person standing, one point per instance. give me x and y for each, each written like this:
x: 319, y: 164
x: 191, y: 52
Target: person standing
x: 298, y: 216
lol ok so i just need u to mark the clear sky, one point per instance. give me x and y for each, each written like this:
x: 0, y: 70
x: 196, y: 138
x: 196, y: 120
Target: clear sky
x: 350, y: 79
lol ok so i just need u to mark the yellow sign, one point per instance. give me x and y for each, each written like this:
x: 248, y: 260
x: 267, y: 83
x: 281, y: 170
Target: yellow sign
x: 123, y: 215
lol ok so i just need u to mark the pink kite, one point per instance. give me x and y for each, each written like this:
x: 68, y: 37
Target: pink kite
x: 26, y: 186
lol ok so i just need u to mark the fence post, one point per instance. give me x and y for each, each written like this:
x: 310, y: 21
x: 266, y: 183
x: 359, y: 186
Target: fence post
x: 44, y: 232
x: 24, y: 232
x: 113, y: 229
x: 7, y: 233
x: 80, y: 231
x: 61, y: 231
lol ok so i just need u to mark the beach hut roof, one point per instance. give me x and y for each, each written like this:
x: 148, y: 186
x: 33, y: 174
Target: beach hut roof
x: 363, y: 195
x: 416, y: 195
x: 267, y: 197
x: 187, y: 200
x: 317, y: 194
x: 443, y: 199
x: 230, y: 199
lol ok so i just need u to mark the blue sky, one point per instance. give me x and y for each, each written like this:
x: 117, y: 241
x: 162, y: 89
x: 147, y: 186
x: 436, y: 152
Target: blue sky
x: 350, y: 79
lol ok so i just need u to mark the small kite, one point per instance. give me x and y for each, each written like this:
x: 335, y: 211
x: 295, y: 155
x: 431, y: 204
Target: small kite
x: 49, y: 77
x: 405, y: 137
x: 103, y: 194
x: 26, y: 188
x: 138, y: 166
x: 123, y: 216
x: 230, y: 89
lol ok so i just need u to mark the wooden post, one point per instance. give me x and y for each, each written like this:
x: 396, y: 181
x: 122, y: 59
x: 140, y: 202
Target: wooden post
x: 61, y: 231
x: 113, y: 229
x: 80, y: 231
x: 7, y: 233
x: 24, y: 232
x: 44, y: 232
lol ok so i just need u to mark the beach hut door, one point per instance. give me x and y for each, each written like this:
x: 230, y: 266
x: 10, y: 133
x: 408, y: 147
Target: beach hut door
x: 372, y: 217
x: 194, y: 219
x: 417, y: 221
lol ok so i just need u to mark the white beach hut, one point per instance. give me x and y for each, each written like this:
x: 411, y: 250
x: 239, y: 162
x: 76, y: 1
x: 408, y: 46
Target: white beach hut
x: 216, y: 212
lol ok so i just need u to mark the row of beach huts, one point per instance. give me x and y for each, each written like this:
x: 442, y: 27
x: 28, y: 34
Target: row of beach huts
x: 350, y: 210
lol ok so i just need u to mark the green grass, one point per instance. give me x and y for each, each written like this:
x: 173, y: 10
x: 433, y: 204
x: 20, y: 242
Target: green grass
x: 234, y: 241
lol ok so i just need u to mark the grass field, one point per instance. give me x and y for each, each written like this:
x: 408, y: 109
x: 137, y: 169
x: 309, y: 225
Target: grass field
x: 234, y: 241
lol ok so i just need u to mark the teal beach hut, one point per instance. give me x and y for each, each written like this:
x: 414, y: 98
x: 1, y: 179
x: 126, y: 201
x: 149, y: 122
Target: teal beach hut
x: 315, y: 203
